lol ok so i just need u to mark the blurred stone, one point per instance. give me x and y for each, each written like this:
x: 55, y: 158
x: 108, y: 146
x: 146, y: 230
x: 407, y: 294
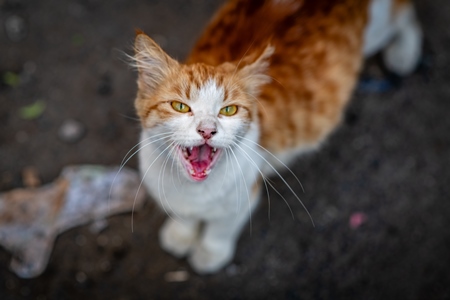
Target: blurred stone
x: 81, y: 277
x: 29, y: 69
x: 71, y: 131
x: 176, y: 276
x: 16, y: 28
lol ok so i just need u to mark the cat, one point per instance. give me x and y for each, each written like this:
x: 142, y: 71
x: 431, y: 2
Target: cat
x: 267, y: 81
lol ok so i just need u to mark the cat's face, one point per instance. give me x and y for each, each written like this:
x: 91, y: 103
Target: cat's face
x: 203, y: 110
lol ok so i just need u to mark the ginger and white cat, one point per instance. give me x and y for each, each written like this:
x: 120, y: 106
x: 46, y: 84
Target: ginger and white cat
x: 266, y: 81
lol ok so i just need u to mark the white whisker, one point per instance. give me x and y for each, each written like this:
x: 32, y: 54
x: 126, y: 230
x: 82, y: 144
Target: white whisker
x: 272, y: 155
x: 246, y: 189
x: 165, y: 134
x: 226, y: 172
x: 142, y: 181
x: 281, y: 177
x: 173, y: 180
x: 238, y: 202
x: 161, y: 179
x: 265, y: 180
x: 124, y: 162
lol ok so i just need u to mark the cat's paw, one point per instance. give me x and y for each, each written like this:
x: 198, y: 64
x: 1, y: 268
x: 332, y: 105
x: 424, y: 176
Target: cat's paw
x: 404, y: 52
x: 177, y: 238
x: 210, y: 259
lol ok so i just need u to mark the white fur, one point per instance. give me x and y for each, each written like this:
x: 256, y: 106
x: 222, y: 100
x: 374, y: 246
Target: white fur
x: 223, y: 201
x: 399, y: 35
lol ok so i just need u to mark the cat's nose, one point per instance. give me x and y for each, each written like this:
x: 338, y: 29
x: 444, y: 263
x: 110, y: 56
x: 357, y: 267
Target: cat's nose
x: 207, y: 132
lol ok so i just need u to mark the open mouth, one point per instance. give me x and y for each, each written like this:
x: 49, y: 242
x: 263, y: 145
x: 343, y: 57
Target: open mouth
x: 199, y: 160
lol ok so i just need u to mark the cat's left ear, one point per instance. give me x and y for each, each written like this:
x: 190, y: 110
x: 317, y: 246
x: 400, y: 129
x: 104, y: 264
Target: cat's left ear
x: 151, y: 61
x: 254, y: 75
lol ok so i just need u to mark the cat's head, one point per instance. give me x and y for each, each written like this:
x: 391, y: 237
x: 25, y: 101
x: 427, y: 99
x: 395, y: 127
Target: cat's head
x: 205, y: 109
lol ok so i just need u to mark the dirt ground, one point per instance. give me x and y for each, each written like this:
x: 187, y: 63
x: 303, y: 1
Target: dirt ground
x: 389, y: 162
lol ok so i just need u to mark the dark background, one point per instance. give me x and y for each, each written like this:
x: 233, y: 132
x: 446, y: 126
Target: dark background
x: 389, y: 160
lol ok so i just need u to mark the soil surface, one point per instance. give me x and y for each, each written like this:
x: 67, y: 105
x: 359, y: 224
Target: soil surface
x: 378, y: 189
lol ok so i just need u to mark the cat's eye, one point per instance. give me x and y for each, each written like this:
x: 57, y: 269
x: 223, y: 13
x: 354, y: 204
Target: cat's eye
x: 229, y: 110
x: 180, y: 107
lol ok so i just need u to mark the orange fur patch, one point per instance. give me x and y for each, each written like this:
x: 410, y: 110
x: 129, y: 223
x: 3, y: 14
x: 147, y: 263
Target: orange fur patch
x: 314, y: 67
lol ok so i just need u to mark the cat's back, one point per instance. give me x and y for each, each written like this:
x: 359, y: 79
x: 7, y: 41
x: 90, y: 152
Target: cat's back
x: 243, y: 26
x: 317, y: 57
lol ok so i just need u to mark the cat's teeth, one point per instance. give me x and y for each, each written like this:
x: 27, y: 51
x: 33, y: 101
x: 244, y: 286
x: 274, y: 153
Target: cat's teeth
x: 185, y: 152
x: 191, y: 171
x: 191, y: 148
x: 207, y: 171
x: 213, y: 152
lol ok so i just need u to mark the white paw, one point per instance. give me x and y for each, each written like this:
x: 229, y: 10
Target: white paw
x: 210, y: 259
x: 176, y: 238
x: 404, y: 52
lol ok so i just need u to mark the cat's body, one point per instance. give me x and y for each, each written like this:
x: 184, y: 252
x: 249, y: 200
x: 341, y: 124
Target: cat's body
x: 266, y: 81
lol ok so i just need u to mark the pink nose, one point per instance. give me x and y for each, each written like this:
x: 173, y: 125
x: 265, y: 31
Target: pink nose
x: 206, y: 133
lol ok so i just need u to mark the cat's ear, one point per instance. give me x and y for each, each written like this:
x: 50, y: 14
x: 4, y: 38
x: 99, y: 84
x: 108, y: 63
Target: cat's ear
x: 254, y: 74
x: 152, y: 62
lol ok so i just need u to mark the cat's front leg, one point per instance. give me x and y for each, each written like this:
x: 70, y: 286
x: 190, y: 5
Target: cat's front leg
x: 178, y: 237
x: 216, y: 247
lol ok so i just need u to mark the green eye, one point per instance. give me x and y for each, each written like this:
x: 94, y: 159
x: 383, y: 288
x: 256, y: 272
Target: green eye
x: 229, y: 110
x: 180, y: 107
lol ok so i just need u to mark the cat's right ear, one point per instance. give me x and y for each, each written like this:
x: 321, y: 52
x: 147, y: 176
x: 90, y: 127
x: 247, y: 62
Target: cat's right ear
x: 152, y: 62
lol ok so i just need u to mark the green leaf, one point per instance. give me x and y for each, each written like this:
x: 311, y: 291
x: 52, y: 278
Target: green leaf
x: 32, y: 111
x: 10, y: 78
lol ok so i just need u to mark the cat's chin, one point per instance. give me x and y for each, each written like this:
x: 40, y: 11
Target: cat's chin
x: 198, y: 161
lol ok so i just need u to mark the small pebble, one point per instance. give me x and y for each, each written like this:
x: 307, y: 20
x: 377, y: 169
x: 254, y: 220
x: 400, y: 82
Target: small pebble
x: 16, y: 28
x: 81, y: 277
x: 71, y: 131
x: 176, y: 276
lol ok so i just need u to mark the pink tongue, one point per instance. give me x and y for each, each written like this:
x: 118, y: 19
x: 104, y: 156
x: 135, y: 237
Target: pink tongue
x: 200, y: 158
